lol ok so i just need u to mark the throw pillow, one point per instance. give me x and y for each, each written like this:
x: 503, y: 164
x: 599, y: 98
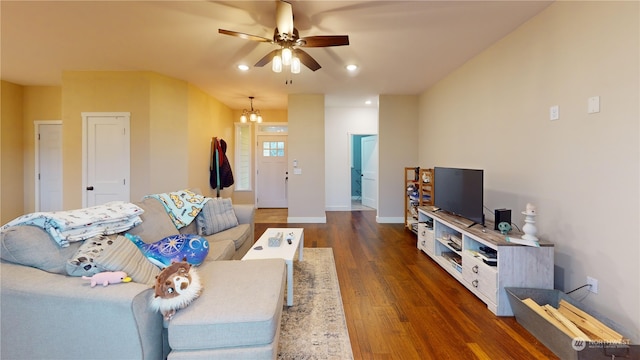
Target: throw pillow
x: 116, y: 253
x: 216, y: 215
x: 173, y: 248
x: 33, y: 246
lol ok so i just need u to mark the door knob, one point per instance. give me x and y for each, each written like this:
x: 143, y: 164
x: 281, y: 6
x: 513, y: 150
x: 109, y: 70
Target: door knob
x: 89, y: 188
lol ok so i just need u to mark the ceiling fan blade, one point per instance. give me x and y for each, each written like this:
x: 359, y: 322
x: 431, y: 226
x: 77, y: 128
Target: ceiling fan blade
x: 325, y: 40
x: 267, y: 58
x: 244, y: 36
x: 306, y: 59
x: 284, y: 18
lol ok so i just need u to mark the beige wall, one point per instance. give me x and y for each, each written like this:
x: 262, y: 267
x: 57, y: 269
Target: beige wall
x: 169, y: 137
x: 397, y: 148
x: 208, y: 118
x: 582, y: 171
x: 306, y: 144
x: 39, y: 103
x: 105, y: 91
x: 11, y: 150
x: 172, y: 124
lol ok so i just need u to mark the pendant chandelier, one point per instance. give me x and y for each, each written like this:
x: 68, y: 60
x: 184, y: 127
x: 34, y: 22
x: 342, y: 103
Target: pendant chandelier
x: 252, y: 115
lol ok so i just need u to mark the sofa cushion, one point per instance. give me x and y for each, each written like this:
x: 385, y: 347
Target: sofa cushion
x: 115, y: 253
x: 224, y: 316
x: 190, y: 229
x: 216, y: 215
x: 32, y: 246
x: 156, y: 224
x: 239, y: 235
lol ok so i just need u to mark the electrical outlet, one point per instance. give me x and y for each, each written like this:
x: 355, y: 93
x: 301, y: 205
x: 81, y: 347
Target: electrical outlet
x: 594, y: 284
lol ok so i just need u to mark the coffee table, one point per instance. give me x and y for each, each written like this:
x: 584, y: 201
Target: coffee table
x: 286, y: 251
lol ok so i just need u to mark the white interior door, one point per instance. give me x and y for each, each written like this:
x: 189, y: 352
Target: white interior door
x: 105, y: 158
x: 272, y: 177
x: 48, y: 165
x: 369, y: 146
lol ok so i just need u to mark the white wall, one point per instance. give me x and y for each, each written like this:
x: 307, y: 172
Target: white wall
x: 340, y: 124
x: 582, y: 171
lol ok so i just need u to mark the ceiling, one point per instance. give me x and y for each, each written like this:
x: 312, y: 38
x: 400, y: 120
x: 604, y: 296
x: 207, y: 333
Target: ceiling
x: 401, y: 47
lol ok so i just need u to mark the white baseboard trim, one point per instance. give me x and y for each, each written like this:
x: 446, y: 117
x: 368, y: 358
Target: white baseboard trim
x: 389, y: 220
x: 307, y: 220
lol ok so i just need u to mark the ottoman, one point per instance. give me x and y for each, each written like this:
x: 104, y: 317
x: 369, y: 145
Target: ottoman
x: 237, y: 316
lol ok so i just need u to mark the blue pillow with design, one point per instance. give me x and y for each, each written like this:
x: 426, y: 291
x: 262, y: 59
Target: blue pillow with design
x: 173, y: 248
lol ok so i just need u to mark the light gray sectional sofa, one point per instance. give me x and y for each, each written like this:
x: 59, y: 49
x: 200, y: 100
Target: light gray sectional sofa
x: 46, y: 314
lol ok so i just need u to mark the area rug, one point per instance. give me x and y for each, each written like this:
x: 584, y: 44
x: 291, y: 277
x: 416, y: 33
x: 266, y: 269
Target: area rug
x: 315, y: 326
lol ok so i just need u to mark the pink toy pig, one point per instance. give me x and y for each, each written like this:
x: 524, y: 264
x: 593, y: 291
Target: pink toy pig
x: 108, y: 277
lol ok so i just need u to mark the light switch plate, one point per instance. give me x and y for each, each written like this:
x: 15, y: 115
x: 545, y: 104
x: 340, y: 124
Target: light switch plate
x: 554, y: 112
x: 594, y: 105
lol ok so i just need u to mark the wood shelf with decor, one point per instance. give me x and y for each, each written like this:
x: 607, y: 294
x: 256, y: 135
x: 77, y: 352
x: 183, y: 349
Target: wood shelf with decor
x: 419, y: 192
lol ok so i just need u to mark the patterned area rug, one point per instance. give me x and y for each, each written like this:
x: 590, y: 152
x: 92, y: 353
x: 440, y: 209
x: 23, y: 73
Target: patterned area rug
x: 315, y: 326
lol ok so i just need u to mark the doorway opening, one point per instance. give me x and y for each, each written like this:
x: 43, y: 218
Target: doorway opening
x: 358, y: 172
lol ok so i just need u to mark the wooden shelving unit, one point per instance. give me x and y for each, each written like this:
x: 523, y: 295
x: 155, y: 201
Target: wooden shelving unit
x: 419, y: 192
x: 426, y: 187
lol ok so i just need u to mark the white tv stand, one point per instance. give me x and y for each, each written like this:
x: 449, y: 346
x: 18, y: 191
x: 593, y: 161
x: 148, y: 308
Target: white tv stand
x: 517, y: 265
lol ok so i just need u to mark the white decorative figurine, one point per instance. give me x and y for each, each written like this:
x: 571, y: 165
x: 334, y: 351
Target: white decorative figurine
x: 529, y: 227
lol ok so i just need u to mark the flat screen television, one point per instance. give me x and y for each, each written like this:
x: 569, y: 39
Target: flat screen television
x: 459, y: 191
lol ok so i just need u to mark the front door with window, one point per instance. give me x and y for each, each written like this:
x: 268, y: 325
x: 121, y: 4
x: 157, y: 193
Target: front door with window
x: 272, y: 177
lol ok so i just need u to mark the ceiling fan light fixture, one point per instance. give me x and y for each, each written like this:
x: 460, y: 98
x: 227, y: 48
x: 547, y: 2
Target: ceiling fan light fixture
x: 352, y: 67
x: 287, y: 38
x: 286, y: 56
x: 295, y: 65
x: 243, y: 67
x: 276, y: 64
x: 252, y: 115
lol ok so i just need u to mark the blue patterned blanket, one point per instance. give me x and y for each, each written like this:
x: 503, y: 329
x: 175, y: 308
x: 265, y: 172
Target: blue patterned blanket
x: 182, y: 206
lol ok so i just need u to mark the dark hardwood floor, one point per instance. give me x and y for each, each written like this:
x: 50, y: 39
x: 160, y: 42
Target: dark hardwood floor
x: 400, y: 304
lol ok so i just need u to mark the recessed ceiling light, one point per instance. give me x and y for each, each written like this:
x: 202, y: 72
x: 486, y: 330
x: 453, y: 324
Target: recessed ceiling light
x: 352, y: 67
x: 243, y: 67
x: 368, y: 102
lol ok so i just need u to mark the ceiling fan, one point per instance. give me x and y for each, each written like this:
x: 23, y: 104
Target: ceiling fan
x: 286, y: 37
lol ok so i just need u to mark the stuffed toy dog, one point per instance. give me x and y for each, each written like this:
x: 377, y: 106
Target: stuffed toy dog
x: 176, y: 286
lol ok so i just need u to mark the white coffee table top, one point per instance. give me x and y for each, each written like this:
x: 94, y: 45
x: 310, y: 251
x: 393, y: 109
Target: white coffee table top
x: 285, y: 251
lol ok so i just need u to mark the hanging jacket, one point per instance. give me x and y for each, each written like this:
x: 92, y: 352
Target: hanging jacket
x: 220, y: 175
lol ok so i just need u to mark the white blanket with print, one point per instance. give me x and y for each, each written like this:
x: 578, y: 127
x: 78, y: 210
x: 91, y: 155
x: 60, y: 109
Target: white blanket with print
x: 81, y: 224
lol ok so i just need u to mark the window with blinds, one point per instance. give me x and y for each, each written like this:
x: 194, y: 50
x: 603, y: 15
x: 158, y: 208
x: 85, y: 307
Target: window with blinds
x: 243, y: 157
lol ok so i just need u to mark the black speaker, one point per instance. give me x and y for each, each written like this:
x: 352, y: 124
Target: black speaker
x: 502, y: 215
